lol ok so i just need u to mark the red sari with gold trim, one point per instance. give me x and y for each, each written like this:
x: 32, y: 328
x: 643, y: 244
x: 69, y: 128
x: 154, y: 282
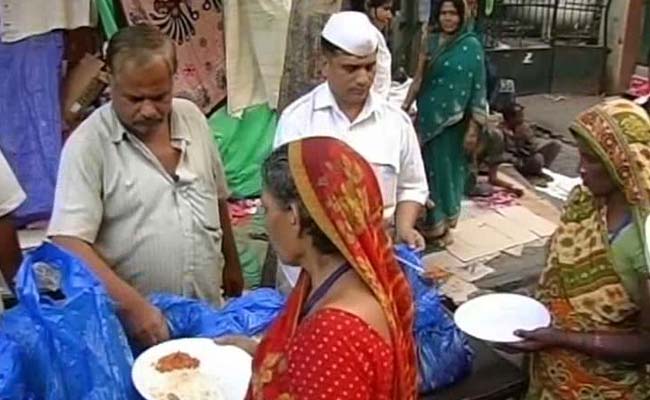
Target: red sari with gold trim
x: 340, y: 191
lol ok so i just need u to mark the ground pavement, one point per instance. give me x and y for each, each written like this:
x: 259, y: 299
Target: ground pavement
x: 552, y: 114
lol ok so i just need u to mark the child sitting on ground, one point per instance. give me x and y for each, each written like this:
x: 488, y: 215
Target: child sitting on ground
x: 513, y: 141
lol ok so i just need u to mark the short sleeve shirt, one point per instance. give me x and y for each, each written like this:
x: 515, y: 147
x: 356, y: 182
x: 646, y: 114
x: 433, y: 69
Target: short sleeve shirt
x: 11, y: 194
x: 160, y: 233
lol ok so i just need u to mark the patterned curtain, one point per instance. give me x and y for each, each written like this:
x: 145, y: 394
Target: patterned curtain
x: 196, y: 26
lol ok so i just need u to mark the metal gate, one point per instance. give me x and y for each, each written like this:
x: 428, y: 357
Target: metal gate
x: 548, y: 45
x: 522, y: 23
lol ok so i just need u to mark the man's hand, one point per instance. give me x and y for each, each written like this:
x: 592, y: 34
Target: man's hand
x: 411, y: 237
x: 144, y: 322
x: 233, y: 279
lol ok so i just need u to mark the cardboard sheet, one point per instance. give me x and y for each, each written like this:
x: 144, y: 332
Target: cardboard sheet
x: 561, y: 186
x: 519, y: 233
x: 471, y: 272
x: 490, y: 233
x: 474, y: 238
x: 458, y: 290
x: 442, y: 259
x: 524, y: 217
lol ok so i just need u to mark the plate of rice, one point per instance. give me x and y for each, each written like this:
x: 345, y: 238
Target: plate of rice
x: 192, y: 369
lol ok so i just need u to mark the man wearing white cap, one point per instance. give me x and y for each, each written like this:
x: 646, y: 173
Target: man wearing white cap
x: 345, y: 108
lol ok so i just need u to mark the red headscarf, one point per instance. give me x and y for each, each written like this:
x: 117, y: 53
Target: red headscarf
x: 341, y: 193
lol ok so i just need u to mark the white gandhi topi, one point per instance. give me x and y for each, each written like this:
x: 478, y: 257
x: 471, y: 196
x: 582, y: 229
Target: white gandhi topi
x: 352, y: 32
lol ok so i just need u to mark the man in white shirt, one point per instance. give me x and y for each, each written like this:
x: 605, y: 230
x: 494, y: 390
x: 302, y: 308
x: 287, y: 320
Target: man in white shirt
x: 344, y: 107
x: 11, y: 197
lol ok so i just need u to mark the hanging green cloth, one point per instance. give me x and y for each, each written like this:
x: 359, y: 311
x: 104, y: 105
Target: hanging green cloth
x: 244, y: 143
x: 489, y: 7
x: 108, y: 16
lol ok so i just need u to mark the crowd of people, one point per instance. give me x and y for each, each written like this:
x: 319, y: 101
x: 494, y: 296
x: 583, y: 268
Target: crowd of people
x: 141, y: 198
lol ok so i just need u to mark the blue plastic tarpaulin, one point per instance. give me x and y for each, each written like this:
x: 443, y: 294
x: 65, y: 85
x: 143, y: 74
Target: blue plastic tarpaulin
x: 74, y: 347
x: 444, y: 354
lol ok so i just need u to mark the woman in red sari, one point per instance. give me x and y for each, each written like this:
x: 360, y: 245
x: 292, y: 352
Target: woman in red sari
x: 346, y: 331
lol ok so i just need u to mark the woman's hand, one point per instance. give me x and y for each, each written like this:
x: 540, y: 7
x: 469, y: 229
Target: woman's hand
x: 245, y: 343
x: 536, y: 340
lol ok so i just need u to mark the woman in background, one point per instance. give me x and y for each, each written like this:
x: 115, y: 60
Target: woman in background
x: 450, y: 88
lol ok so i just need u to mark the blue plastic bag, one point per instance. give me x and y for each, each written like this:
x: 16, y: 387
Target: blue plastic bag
x: 248, y: 315
x: 12, y: 372
x: 444, y: 354
x: 75, y: 347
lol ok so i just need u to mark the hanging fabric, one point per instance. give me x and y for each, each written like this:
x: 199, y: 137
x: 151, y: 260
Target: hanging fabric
x: 256, y: 39
x: 25, y: 18
x: 30, y: 118
x: 197, y: 28
x: 108, y: 16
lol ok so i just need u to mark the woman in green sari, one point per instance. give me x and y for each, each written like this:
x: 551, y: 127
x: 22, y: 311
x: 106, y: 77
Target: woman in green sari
x: 450, y: 88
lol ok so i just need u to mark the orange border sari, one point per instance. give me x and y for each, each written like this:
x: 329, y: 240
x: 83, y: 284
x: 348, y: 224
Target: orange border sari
x: 340, y: 191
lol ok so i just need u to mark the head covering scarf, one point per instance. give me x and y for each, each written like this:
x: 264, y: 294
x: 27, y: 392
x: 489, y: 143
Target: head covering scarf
x: 580, y: 285
x: 341, y: 194
x: 618, y: 131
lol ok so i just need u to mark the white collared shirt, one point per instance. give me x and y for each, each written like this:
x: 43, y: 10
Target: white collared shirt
x: 160, y: 233
x: 382, y: 134
x: 383, y: 75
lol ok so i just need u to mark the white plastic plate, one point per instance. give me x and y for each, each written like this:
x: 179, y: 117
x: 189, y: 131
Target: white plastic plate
x: 227, y: 367
x: 495, y: 317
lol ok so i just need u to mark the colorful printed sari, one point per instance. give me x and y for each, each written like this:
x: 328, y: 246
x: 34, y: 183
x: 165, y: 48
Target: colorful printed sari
x: 453, y: 91
x: 341, y: 193
x: 196, y: 27
x: 580, y: 285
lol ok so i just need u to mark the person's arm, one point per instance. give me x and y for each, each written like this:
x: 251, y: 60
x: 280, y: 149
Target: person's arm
x: 144, y: 321
x: 11, y: 256
x: 412, y: 189
x: 11, y: 197
x: 420, y: 70
x: 76, y: 218
x: 247, y: 344
x: 631, y: 347
x: 233, y: 280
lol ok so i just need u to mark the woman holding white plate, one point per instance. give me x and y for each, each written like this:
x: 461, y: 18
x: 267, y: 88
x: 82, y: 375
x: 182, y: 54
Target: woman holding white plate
x: 596, y: 281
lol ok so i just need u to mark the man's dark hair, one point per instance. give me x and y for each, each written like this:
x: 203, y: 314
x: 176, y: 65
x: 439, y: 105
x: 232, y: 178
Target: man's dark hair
x: 140, y: 43
x: 459, y: 5
x: 277, y: 179
x: 364, y: 5
x: 330, y: 49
